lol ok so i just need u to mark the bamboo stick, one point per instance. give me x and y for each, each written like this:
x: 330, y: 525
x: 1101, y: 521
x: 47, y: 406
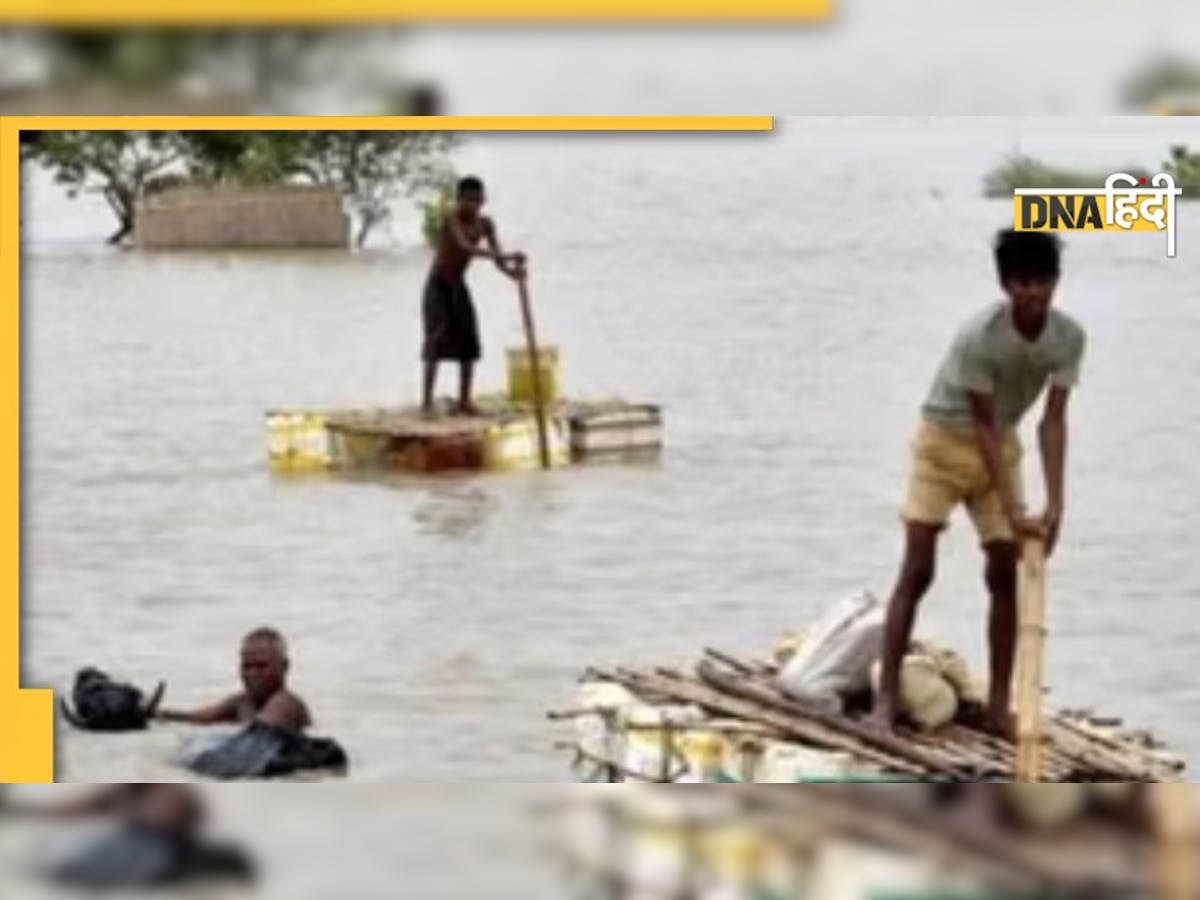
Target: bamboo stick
x: 1031, y: 662
x: 1104, y: 761
x: 933, y: 761
x: 965, y: 744
x: 539, y: 398
x: 1176, y: 815
x: 1144, y: 762
x: 789, y: 726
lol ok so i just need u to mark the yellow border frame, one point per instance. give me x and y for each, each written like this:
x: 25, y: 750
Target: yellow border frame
x: 373, y: 12
x: 27, y: 716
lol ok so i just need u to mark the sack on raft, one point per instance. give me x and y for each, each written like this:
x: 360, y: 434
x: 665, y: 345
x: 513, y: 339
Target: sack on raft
x: 834, y: 661
x: 926, y: 697
x: 970, y: 690
x: 263, y: 751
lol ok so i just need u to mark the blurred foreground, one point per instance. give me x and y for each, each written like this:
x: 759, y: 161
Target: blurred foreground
x: 208, y: 71
x: 940, y: 58
x: 832, y: 841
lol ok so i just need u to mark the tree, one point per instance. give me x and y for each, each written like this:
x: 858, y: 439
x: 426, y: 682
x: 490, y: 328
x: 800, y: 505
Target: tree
x: 118, y: 165
x: 1184, y: 165
x: 435, y: 210
x: 373, y: 169
x: 370, y: 169
x: 244, y: 157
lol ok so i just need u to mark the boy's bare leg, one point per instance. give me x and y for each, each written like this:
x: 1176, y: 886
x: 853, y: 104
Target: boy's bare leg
x: 431, y: 371
x: 466, y: 403
x: 916, y: 578
x: 1002, y: 575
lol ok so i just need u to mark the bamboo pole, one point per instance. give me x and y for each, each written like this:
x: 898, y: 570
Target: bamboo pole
x: 1176, y: 817
x: 539, y: 399
x: 1031, y: 662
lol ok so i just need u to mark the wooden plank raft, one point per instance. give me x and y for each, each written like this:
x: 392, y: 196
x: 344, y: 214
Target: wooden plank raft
x: 411, y: 422
x: 1075, y: 748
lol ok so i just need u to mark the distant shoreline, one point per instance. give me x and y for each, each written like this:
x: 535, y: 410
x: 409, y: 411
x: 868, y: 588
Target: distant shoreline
x: 1022, y: 172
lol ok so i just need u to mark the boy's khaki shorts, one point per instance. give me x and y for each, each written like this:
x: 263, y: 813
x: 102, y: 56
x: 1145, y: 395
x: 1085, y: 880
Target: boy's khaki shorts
x: 948, y: 470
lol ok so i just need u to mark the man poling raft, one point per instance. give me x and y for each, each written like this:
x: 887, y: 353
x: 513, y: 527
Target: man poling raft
x: 451, y: 322
x: 968, y: 453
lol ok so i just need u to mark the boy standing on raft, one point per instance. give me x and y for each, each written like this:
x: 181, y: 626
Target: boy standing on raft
x: 451, y: 323
x: 968, y: 452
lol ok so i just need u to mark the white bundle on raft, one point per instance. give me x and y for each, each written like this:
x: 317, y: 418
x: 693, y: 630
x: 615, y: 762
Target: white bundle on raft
x: 834, y: 660
x: 956, y: 671
x: 837, y: 660
x: 927, y: 697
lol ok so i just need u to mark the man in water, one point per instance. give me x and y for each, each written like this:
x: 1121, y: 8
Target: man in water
x: 451, y: 323
x: 265, y: 697
x: 968, y: 453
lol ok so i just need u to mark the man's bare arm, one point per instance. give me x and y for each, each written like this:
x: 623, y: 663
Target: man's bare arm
x: 218, y: 714
x: 1054, y: 434
x: 511, y: 264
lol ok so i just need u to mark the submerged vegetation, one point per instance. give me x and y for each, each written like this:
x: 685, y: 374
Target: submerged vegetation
x: 1022, y: 172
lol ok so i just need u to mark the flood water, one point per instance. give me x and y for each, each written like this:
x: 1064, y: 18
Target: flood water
x: 786, y: 297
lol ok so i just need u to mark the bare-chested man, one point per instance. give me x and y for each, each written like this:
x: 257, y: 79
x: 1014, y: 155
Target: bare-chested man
x: 450, y: 319
x: 265, y: 696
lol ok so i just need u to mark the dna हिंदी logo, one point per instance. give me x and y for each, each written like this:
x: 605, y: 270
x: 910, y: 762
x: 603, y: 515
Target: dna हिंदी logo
x: 1125, y: 203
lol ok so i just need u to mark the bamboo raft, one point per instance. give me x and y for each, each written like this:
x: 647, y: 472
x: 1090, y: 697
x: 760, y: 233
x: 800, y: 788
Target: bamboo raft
x: 826, y: 830
x: 1077, y: 746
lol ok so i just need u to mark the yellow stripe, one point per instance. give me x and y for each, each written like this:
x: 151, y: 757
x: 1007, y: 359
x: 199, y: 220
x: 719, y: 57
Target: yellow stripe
x: 309, y: 12
x: 26, y: 717
x: 398, y: 123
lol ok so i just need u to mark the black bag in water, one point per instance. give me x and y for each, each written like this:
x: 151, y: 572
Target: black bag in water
x: 262, y: 751
x: 102, y: 704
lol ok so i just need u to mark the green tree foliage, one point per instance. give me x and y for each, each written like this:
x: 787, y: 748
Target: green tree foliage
x: 1185, y: 166
x: 243, y: 157
x: 435, y: 209
x: 1021, y: 172
x: 374, y: 169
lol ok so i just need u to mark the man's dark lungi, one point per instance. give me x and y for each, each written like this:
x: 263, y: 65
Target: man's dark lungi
x: 451, y: 323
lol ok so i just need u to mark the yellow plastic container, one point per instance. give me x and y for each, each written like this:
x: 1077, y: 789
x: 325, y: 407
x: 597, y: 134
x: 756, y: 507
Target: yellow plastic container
x: 299, y: 442
x: 520, y: 376
x: 513, y: 445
